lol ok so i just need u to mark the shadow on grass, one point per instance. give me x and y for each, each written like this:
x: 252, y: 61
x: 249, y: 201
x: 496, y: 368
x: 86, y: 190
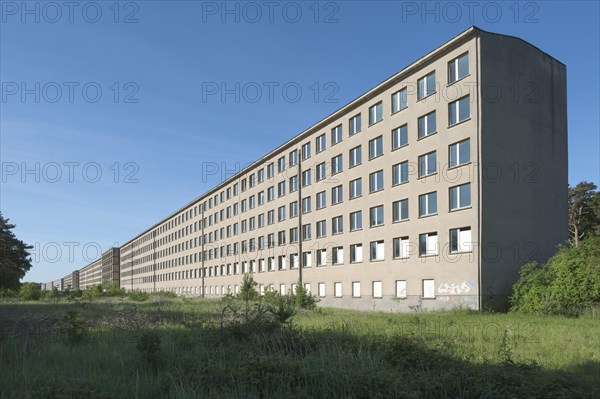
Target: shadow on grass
x: 201, y: 360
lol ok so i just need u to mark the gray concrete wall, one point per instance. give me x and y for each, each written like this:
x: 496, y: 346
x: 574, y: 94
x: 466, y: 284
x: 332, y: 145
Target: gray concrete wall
x: 523, y: 152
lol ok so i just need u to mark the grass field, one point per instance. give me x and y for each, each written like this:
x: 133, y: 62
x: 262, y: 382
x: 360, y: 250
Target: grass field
x: 179, y: 348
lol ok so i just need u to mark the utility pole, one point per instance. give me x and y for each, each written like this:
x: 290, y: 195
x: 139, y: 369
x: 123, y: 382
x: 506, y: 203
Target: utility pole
x: 154, y: 260
x: 300, y: 235
x: 202, y: 253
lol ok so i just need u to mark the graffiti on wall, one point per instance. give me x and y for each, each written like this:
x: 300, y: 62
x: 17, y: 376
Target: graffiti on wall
x: 452, y: 288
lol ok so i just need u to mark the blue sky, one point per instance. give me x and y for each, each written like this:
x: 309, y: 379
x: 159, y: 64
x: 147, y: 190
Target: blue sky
x: 113, y: 110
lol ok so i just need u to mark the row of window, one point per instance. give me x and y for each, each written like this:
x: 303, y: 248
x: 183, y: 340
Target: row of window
x: 460, y: 241
x: 459, y: 198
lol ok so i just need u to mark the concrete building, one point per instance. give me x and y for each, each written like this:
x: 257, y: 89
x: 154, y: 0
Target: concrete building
x: 431, y: 189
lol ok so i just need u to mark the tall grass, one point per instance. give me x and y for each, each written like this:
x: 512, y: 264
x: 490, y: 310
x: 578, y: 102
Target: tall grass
x: 328, y: 353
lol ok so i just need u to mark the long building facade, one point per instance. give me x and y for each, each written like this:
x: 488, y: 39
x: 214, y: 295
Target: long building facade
x: 431, y: 190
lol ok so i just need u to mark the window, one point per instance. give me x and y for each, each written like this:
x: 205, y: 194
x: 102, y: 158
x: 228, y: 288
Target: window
x: 294, y: 261
x: 271, y: 264
x: 281, y: 264
x: 321, y: 290
x: 356, y: 253
x: 252, y: 202
x: 281, y: 164
x: 355, y: 188
x: 320, y: 144
x: 320, y: 171
x: 427, y: 125
x: 400, y: 210
x: 306, y: 178
x: 426, y: 86
x: 337, y: 195
x: 427, y: 164
x: 376, y: 147
x: 400, y: 173
x: 293, y: 157
x: 375, y: 113
x: 401, y: 248
x: 305, y: 204
x: 400, y: 288
x: 293, y: 209
x: 337, y: 290
x: 399, y: 100
x: 337, y: 225
x: 460, y: 240
x: 270, y: 193
x: 376, y: 216
x: 293, y: 234
x: 337, y: 255
x: 459, y: 153
x: 321, y: 228
x: 376, y: 181
x: 458, y: 68
x: 355, y: 156
x: 377, y: 289
x: 460, y: 196
x: 261, y: 198
x: 261, y: 242
x: 428, y: 204
x: 321, y: 257
x: 306, y: 151
x: 307, y: 259
x: 261, y: 178
x: 281, y: 237
x: 321, y: 200
x: 306, y: 232
x: 281, y: 213
x: 293, y: 183
x: 356, y: 220
x: 281, y: 189
x: 336, y: 135
x: 271, y: 240
x: 400, y: 137
x: 459, y: 110
x: 270, y: 219
x: 336, y: 164
x: 428, y: 244
x: 429, y: 289
x: 356, y: 289
x: 377, y: 250
x: 270, y: 171
x: 355, y: 125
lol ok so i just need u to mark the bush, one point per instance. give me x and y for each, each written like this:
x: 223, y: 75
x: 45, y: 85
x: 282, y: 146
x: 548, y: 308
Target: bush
x: 112, y: 290
x: 304, y: 299
x: 7, y: 293
x: 92, y: 292
x: 76, y: 329
x: 30, y: 292
x: 568, y: 284
x: 165, y: 294
x: 137, y: 295
x: 248, y: 290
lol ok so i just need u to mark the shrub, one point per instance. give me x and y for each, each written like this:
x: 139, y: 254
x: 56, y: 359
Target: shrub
x: 75, y: 329
x: 569, y: 283
x: 92, y: 292
x: 30, y: 292
x: 304, y: 299
x: 165, y: 294
x: 112, y: 290
x: 248, y: 290
x: 137, y: 295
